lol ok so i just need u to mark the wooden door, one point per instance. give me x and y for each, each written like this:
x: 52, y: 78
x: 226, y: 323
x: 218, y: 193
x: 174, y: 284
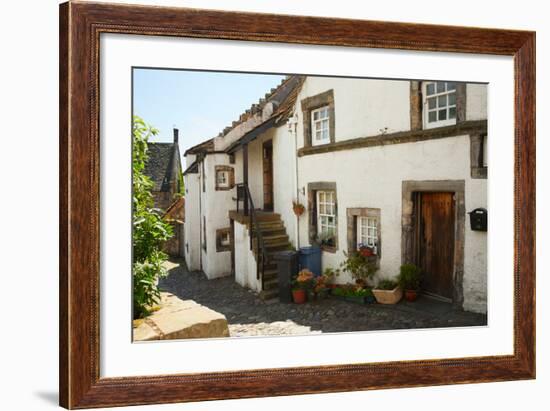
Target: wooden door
x: 268, y: 175
x: 436, y: 242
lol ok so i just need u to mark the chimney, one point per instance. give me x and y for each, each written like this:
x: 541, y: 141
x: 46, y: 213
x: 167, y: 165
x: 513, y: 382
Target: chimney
x: 176, y: 135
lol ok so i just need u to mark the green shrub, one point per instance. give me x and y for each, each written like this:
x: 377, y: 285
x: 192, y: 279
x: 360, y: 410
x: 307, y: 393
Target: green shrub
x: 149, y: 230
x: 409, y: 277
x: 386, y: 285
x: 352, y: 291
x: 361, y: 267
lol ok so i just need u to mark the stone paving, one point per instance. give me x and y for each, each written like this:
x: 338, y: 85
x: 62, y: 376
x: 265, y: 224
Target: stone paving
x: 248, y: 315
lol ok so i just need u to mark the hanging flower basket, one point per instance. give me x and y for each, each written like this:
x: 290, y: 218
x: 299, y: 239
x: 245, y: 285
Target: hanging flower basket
x: 298, y: 208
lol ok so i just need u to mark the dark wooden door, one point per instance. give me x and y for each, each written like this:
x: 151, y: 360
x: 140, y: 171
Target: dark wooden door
x: 268, y: 175
x: 436, y: 242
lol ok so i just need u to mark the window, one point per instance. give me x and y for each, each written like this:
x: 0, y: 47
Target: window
x: 223, y: 239
x: 318, y: 116
x: 224, y: 177
x: 326, y: 217
x: 320, y: 128
x: 363, y: 228
x: 439, y: 104
x: 367, y: 232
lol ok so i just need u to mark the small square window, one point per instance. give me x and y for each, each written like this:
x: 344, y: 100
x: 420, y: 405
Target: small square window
x: 224, y: 177
x: 223, y: 239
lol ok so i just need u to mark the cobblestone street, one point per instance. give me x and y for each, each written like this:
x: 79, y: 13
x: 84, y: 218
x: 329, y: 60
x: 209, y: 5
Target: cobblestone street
x: 248, y: 315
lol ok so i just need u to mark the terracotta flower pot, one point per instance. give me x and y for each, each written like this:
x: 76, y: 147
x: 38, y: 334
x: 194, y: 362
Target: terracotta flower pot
x: 298, y: 210
x: 411, y: 295
x: 299, y: 296
x: 366, y: 252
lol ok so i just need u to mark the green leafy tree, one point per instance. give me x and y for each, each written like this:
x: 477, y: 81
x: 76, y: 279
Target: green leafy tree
x: 149, y: 230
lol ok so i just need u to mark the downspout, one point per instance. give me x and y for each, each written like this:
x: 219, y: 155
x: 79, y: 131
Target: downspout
x: 293, y: 129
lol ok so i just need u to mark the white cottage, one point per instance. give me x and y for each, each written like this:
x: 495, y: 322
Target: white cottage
x: 396, y: 164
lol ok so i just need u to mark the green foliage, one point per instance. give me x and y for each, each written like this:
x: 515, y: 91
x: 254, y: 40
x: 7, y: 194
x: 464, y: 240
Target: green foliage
x: 149, y: 230
x: 352, y: 291
x: 181, y: 185
x: 386, y: 285
x: 409, y: 277
x: 361, y: 267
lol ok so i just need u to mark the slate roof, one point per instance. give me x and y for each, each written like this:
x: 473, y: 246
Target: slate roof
x: 159, y: 165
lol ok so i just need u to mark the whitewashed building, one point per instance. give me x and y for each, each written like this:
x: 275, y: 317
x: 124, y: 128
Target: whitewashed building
x: 395, y: 164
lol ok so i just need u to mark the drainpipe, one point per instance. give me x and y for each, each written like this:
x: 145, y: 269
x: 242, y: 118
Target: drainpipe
x: 292, y: 129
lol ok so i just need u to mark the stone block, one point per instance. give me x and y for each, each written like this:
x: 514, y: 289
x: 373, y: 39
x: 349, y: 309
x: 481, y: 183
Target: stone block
x: 180, y: 319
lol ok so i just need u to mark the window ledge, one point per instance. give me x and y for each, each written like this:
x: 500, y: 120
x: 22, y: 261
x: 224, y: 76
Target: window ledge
x: 329, y: 249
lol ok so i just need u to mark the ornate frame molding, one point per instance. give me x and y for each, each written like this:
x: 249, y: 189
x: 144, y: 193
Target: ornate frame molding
x: 81, y: 25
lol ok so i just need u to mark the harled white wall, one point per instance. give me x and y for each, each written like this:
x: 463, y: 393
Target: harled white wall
x: 192, y: 221
x: 372, y: 177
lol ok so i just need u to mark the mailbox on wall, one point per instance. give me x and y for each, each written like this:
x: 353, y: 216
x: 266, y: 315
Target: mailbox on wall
x: 478, y: 219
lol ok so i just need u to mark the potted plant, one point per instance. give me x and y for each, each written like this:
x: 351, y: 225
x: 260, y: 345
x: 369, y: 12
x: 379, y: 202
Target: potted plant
x: 298, y: 208
x: 366, y: 251
x: 321, y: 286
x: 361, y: 267
x: 354, y: 293
x: 409, y: 280
x: 387, y: 292
x: 302, y: 284
x: 330, y: 274
x: 326, y: 239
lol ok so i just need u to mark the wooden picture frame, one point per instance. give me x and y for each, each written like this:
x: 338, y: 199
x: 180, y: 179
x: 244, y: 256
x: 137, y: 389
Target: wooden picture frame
x: 80, y: 27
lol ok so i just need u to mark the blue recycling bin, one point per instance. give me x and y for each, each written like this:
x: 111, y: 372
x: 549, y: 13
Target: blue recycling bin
x: 310, y: 258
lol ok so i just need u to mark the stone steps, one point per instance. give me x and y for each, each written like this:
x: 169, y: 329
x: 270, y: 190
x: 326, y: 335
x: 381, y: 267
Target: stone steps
x: 275, y: 240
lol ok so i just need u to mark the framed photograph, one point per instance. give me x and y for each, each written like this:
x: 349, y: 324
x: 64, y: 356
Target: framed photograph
x: 259, y: 205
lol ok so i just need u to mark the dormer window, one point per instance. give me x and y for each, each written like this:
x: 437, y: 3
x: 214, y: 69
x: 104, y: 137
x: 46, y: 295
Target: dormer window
x: 439, y: 103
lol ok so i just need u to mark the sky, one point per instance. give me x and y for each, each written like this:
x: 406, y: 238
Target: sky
x: 199, y: 103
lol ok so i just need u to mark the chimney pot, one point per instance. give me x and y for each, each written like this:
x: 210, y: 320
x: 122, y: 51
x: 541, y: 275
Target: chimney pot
x: 176, y: 135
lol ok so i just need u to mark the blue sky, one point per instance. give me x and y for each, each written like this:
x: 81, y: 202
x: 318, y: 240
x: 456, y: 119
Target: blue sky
x: 200, y: 104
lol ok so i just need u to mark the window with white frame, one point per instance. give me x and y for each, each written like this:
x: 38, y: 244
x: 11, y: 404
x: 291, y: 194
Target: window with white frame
x: 367, y: 232
x: 439, y: 103
x: 326, y: 216
x: 320, y: 128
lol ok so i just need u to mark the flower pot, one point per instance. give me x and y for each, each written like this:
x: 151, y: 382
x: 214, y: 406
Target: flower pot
x: 388, y: 296
x: 298, y: 211
x: 369, y: 299
x: 299, y: 296
x: 366, y: 252
x: 411, y: 295
x: 321, y: 295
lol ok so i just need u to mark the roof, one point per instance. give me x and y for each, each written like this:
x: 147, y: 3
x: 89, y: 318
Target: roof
x: 279, y: 116
x: 284, y: 96
x: 176, y: 211
x: 192, y: 169
x: 159, y: 164
x: 207, y: 145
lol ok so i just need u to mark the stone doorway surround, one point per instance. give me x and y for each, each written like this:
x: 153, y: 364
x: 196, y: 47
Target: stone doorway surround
x: 409, y: 188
